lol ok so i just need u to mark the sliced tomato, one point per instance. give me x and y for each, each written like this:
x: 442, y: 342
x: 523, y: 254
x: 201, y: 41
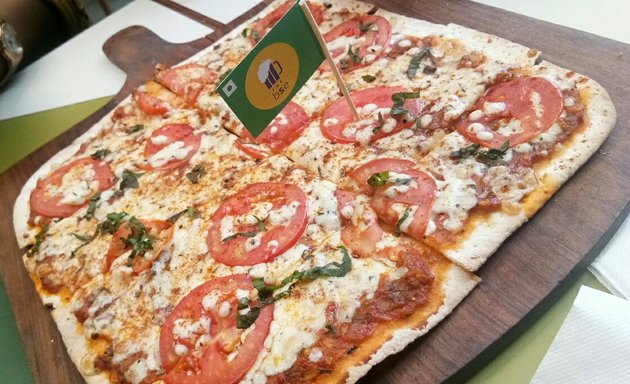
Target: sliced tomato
x: 263, y: 26
x: 150, y: 105
x: 371, y: 33
x: 338, y: 125
x: 204, y: 359
x: 187, y: 80
x: 362, y: 242
x: 344, y: 198
x: 419, y: 193
x: 282, y: 207
x: 533, y: 101
x: 364, y: 172
x: 285, y: 128
x: 279, y: 134
x: 48, y: 204
x: 161, y: 231
x: 167, y: 135
x: 252, y: 150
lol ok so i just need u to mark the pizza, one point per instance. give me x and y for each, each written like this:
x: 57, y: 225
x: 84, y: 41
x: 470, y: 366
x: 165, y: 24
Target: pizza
x: 174, y: 247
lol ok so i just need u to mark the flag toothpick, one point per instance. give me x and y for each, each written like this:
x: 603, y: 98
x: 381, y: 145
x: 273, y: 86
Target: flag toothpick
x: 331, y: 62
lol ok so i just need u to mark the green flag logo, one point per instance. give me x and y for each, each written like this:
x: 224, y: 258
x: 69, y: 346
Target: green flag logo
x: 272, y: 76
x: 273, y: 72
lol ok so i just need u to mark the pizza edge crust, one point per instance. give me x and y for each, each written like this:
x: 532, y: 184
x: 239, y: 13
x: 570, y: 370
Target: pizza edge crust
x: 458, y: 283
x: 478, y: 243
x: 24, y: 234
x: 74, y: 341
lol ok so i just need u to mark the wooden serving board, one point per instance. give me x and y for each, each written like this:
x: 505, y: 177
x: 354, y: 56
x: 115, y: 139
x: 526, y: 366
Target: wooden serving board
x: 526, y: 275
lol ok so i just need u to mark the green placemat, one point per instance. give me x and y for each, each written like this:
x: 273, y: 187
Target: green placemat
x: 22, y: 135
x: 14, y: 366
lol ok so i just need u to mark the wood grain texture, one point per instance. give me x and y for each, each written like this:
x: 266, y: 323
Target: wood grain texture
x: 530, y: 270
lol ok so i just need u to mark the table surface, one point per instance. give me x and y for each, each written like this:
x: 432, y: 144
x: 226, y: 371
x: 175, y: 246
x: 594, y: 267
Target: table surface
x: 516, y: 364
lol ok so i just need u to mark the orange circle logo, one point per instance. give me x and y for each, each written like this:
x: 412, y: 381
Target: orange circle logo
x: 272, y: 76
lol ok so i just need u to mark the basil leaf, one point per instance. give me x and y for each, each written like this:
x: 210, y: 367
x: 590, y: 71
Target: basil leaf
x: 134, y: 128
x: 366, y: 27
x: 378, y: 179
x: 191, y: 211
x: 195, y: 174
x: 399, y: 101
x: 139, y: 239
x: 261, y: 228
x: 112, y: 223
x: 41, y: 235
x: 466, y: 152
x: 381, y: 122
x: 354, y: 55
x: 414, y: 63
x: 493, y: 156
x: 82, y: 237
x: 368, y: 78
x: 245, y: 32
x: 100, y: 153
x: 266, y: 292
x: 129, y: 180
x: 89, y: 214
x: 402, y: 219
x: 244, y: 321
x: 429, y: 70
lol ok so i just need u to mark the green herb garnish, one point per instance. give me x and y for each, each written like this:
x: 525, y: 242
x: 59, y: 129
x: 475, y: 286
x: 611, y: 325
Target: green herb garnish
x: 134, y: 128
x: 466, y: 152
x: 414, y: 63
x: 254, y: 35
x: 366, y: 27
x: 399, y: 101
x: 129, y: 180
x: 245, y: 32
x: 190, y: 211
x: 195, y: 174
x: 368, y: 78
x: 492, y: 156
x: 38, y: 241
x: 82, y: 237
x: 112, y: 223
x: 489, y: 157
x: 100, y: 153
x: 89, y: 214
x: 139, y: 239
x: 378, y: 179
x: 381, y: 122
x: 404, y: 217
x: 268, y: 294
x: 261, y: 228
x: 354, y: 55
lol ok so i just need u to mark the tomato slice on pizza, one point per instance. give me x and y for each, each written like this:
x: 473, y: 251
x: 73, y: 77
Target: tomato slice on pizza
x: 362, y: 174
x: 170, y: 147
x: 68, y: 188
x: 282, y: 131
x: 144, y: 239
x: 374, y: 106
x: 200, y: 342
x: 150, y: 105
x: 263, y: 26
x: 257, y: 224
x: 515, y: 111
x: 402, y: 196
x: 359, y: 41
x: 186, y: 80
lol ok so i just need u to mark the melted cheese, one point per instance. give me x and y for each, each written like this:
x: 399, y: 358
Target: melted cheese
x: 174, y: 151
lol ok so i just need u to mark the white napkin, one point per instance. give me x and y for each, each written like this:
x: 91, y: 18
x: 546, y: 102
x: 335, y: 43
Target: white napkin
x: 593, y: 344
x: 612, y: 266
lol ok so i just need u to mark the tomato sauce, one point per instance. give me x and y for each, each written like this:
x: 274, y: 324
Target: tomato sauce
x: 392, y: 300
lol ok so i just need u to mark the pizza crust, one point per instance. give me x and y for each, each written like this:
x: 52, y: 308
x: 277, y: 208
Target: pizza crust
x: 457, y: 285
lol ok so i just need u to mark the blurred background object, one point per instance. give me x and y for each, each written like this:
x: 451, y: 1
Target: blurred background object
x: 38, y: 26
